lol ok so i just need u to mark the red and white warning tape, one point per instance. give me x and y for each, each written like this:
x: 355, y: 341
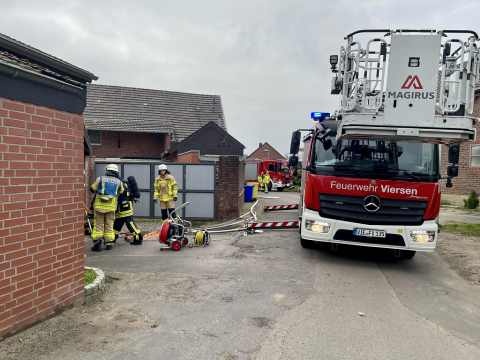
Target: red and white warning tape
x: 280, y: 207
x: 273, y: 224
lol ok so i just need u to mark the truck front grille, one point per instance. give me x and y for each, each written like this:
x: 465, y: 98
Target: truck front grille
x: 392, y: 211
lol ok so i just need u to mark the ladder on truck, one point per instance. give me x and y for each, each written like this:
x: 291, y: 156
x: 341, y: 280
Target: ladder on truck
x: 409, y: 85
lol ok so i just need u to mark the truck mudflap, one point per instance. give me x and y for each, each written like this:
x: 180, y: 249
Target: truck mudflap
x: 416, y: 238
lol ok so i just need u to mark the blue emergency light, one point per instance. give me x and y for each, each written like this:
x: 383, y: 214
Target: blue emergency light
x: 320, y: 115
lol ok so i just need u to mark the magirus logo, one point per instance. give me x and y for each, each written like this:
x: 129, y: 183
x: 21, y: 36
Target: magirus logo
x: 412, y: 80
x: 417, y: 85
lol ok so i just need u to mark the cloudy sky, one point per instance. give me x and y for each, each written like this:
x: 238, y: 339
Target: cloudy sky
x: 267, y: 59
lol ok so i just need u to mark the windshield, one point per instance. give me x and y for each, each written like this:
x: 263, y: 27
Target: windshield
x: 379, y: 156
x: 284, y: 169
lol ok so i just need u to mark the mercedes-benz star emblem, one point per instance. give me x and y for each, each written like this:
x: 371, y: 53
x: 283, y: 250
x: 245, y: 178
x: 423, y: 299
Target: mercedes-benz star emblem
x: 371, y: 203
x: 373, y: 182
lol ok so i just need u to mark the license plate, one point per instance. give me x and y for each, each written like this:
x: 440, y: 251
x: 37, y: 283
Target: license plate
x: 369, y: 233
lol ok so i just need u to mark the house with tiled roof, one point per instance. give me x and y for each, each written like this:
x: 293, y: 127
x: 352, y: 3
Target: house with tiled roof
x: 265, y: 151
x: 126, y: 122
x: 42, y: 147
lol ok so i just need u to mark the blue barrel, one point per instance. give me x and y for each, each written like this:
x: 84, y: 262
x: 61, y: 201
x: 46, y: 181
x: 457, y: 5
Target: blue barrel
x: 249, y: 192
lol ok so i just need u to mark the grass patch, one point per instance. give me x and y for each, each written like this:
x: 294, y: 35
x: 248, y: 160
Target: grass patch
x: 294, y: 188
x: 462, y: 229
x: 90, y: 276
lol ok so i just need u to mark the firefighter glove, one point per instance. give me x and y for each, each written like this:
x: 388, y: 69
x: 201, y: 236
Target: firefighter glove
x: 174, y: 198
x: 155, y: 201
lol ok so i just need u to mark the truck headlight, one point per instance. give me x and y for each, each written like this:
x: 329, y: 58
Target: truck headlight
x: 423, y: 236
x: 317, y: 226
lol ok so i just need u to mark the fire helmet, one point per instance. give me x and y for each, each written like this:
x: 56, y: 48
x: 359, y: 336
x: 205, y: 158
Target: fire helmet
x: 112, y: 167
x: 162, y: 167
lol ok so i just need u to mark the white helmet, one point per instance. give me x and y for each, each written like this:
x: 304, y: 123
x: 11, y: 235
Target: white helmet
x: 162, y: 167
x: 112, y: 167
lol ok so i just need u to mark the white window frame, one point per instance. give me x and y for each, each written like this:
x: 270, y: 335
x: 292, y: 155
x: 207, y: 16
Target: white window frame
x: 91, y: 142
x: 471, y: 155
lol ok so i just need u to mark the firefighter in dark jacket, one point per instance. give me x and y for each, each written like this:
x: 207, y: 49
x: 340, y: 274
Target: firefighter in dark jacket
x: 124, y: 214
x: 106, y: 189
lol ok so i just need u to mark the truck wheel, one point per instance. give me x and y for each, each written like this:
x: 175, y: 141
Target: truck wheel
x: 269, y: 186
x: 407, y: 254
x: 309, y: 244
x: 280, y: 189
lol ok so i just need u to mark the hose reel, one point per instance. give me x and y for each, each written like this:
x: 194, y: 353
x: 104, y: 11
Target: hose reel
x: 202, y: 238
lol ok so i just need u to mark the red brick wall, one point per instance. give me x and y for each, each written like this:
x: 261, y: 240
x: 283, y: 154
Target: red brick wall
x: 260, y: 153
x: 189, y: 157
x: 89, y: 179
x: 468, y: 177
x: 41, y: 212
x: 228, y: 199
x: 241, y: 186
x: 117, y: 144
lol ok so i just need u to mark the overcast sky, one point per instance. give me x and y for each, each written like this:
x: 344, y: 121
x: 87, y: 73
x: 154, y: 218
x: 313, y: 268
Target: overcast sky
x: 268, y: 60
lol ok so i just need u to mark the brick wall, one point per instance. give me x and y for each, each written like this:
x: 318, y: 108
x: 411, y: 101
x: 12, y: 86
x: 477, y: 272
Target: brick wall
x: 260, y: 153
x: 468, y: 177
x: 228, y: 199
x: 117, y: 144
x: 41, y: 212
x: 89, y: 179
x: 241, y: 186
x: 188, y: 157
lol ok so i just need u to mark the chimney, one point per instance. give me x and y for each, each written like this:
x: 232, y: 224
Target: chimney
x: 260, y: 145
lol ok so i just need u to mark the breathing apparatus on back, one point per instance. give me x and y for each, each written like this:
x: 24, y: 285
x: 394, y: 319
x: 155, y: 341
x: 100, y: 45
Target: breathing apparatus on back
x: 133, y: 189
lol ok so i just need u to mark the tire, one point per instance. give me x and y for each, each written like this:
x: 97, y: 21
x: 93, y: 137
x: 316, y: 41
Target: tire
x: 270, y: 186
x: 308, y: 244
x: 407, y: 254
x: 280, y: 189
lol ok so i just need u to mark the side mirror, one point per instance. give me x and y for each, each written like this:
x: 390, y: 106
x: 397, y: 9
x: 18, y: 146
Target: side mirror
x: 452, y: 171
x: 449, y: 183
x: 453, y: 154
x: 295, y: 143
x: 308, y: 167
x: 327, y: 145
x: 293, y: 161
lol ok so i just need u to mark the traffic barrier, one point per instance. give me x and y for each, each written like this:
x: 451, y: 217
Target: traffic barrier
x: 280, y: 207
x: 273, y: 224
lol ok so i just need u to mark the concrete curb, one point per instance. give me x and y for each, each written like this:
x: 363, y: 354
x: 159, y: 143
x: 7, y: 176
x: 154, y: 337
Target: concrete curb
x: 97, y: 289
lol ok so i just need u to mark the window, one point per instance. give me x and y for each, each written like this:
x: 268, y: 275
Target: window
x: 95, y: 137
x: 272, y: 167
x: 475, y: 155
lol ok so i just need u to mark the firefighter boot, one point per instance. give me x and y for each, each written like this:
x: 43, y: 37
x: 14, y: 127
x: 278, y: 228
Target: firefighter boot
x: 97, y: 246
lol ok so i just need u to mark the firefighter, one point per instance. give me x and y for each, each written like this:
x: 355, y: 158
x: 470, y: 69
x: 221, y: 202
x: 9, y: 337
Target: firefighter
x: 260, y: 181
x: 165, y: 190
x: 124, y: 214
x: 266, y: 181
x: 106, y: 189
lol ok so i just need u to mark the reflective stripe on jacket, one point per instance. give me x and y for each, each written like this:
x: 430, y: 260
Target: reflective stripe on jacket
x: 125, y: 204
x: 107, y: 189
x: 266, y: 179
x: 165, y: 188
x: 260, y: 180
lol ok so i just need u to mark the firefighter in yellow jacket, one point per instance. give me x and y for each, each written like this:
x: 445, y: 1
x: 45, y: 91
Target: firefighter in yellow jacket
x: 266, y: 182
x: 165, y: 191
x: 106, y: 189
x: 260, y: 181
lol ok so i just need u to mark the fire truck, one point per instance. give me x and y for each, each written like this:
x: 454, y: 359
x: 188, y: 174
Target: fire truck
x: 372, y: 169
x: 281, y: 176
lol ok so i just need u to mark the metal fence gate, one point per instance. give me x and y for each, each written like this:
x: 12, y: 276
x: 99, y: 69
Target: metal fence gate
x: 196, y: 184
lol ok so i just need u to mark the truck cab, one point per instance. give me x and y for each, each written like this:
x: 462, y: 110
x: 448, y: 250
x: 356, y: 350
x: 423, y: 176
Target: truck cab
x: 369, y: 192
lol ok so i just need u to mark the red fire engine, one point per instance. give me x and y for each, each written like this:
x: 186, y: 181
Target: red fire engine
x: 372, y: 169
x: 280, y: 174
